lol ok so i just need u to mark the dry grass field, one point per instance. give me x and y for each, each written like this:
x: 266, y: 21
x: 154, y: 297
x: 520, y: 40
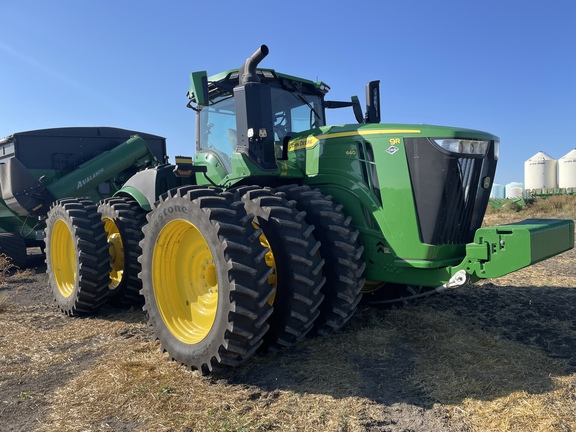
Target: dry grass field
x: 495, y: 356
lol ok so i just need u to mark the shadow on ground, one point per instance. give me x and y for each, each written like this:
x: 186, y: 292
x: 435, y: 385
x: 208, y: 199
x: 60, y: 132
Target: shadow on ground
x: 481, y: 342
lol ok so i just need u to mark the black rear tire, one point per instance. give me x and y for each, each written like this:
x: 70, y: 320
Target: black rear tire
x: 123, y: 220
x: 13, y: 246
x: 205, y: 279
x: 77, y: 258
x: 342, y: 253
x: 297, y: 265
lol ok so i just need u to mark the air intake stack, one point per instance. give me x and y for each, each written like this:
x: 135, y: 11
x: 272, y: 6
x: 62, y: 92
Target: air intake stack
x: 254, y: 120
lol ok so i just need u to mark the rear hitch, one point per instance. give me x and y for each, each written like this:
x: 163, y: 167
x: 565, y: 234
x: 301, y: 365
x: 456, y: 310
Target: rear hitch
x: 459, y: 279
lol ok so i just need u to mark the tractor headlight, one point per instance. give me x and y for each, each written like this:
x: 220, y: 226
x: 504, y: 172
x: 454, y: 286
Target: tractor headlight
x: 496, y: 150
x: 464, y: 146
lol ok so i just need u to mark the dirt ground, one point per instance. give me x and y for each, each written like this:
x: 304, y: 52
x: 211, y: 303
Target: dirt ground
x: 497, y: 355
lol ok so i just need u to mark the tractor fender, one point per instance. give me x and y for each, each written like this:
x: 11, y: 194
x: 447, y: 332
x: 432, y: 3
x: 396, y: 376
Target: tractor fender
x: 134, y: 193
x: 146, y: 186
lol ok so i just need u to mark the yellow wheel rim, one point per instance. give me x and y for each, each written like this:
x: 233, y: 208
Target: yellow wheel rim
x: 271, y: 262
x: 116, y: 249
x: 372, y: 286
x: 184, y: 281
x: 63, y: 258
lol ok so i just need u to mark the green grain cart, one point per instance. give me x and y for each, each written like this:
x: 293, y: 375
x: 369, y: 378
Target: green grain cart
x: 39, y: 166
x: 281, y: 223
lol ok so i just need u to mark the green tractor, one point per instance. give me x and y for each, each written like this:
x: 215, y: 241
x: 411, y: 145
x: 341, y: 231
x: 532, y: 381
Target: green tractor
x: 281, y: 223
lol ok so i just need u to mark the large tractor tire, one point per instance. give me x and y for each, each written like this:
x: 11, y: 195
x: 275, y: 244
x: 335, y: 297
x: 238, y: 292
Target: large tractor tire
x: 12, y: 245
x: 296, y: 261
x: 344, y: 266
x: 123, y: 221
x: 77, y: 258
x: 205, y: 279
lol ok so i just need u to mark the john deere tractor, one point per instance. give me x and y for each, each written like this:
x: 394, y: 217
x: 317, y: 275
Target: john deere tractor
x: 281, y: 223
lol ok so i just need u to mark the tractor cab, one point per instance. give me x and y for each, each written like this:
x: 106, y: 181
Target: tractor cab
x: 255, y: 118
x: 296, y: 105
x: 254, y: 112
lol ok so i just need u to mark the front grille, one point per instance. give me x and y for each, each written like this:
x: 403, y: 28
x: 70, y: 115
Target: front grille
x: 449, y: 191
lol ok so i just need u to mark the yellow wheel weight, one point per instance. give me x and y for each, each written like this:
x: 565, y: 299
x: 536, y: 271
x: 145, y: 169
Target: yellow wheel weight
x: 372, y: 286
x: 270, y: 262
x: 116, y: 253
x: 185, y: 283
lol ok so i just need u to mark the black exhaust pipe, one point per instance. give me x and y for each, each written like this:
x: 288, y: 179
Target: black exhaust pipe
x: 248, y: 70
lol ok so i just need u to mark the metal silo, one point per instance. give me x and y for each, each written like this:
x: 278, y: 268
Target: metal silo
x: 567, y: 170
x: 498, y: 191
x: 514, y: 190
x: 540, y: 172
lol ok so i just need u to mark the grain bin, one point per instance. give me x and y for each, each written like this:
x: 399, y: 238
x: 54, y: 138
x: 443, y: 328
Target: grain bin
x: 567, y: 170
x: 498, y: 191
x: 540, y: 172
x: 514, y: 190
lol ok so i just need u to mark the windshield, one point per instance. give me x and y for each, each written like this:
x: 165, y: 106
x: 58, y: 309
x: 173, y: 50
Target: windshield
x: 293, y: 112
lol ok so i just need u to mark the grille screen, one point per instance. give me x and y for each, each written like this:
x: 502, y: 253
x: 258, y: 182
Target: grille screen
x: 448, y: 191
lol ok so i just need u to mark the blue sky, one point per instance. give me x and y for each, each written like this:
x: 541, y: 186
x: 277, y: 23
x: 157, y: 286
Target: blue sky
x: 503, y: 66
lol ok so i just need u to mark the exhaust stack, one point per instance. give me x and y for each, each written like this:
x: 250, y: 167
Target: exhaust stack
x: 248, y: 70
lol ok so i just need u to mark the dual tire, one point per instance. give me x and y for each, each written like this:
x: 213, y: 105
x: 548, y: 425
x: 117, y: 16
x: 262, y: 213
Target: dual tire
x: 91, y: 253
x: 205, y: 279
x: 123, y: 221
x: 77, y: 257
x: 222, y: 274
x: 343, y: 266
x: 296, y: 262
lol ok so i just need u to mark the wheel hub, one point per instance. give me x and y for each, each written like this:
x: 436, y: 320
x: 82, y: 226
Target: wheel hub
x: 116, y: 250
x: 185, y: 281
x: 63, y: 258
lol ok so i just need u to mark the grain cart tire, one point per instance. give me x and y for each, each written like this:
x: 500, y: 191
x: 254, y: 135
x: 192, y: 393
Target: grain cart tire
x: 77, y: 258
x: 12, y: 245
x: 296, y: 262
x: 204, y: 278
x: 344, y: 267
x: 123, y: 220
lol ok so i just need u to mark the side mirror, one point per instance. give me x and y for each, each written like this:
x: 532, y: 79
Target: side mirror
x: 357, y: 109
x: 199, y: 88
x: 354, y: 103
